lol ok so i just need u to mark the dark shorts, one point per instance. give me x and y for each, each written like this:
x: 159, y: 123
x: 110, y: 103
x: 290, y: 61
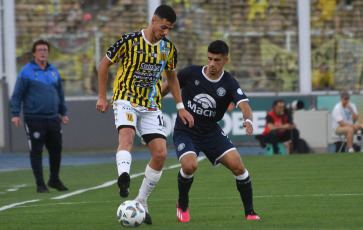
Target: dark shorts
x: 214, y: 146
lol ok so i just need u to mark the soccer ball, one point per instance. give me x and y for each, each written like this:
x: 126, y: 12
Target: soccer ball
x: 131, y: 213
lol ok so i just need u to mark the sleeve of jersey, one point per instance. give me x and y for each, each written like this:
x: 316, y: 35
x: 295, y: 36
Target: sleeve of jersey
x: 237, y: 93
x: 116, y: 51
x: 173, y: 59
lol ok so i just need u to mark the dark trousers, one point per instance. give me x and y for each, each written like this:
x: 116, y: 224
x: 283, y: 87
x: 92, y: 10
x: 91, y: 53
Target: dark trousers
x: 46, y: 132
x: 274, y: 138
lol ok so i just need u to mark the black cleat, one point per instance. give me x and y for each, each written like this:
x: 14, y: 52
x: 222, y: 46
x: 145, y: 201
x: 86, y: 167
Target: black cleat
x: 123, y: 183
x: 148, y: 219
x: 57, y: 184
x: 42, y: 189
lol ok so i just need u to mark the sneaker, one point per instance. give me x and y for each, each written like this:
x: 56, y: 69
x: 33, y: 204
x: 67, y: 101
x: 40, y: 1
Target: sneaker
x: 252, y: 216
x: 123, y: 183
x: 183, y: 216
x: 42, y: 189
x: 57, y: 185
x: 148, y: 219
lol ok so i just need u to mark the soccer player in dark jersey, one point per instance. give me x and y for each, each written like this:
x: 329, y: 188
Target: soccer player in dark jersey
x: 207, y: 91
x: 143, y: 56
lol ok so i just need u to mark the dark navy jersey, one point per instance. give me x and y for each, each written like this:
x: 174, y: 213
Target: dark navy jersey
x: 207, y: 100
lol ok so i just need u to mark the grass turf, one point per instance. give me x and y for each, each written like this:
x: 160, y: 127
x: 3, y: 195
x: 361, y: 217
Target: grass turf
x: 312, y: 191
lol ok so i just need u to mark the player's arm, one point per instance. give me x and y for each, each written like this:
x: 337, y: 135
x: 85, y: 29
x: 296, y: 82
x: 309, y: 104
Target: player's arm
x: 247, y: 116
x: 102, y: 104
x: 165, y: 89
x: 173, y: 86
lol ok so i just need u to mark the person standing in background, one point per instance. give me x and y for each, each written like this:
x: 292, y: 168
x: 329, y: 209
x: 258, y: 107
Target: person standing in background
x: 39, y: 91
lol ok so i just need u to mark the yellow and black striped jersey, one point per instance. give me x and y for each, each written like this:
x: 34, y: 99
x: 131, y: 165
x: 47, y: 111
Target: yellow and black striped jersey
x: 141, y: 64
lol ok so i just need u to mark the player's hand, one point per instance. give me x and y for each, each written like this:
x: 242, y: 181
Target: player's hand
x: 16, y: 121
x: 102, y: 105
x: 249, y: 127
x: 186, y: 117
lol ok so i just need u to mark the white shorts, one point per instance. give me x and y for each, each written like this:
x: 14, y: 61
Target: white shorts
x: 145, y: 120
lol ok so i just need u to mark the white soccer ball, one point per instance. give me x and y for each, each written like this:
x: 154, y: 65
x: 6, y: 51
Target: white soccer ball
x: 131, y: 213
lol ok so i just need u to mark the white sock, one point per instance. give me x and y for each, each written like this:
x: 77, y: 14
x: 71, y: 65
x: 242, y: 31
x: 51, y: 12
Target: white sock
x: 151, y: 178
x: 185, y: 175
x: 242, y: 176
x: 123, y: 161
x: 350, y: 150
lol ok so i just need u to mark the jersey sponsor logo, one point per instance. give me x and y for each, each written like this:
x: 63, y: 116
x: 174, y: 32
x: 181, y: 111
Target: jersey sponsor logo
x: 152, y: 78
x: 143, y: 84
x: 203, y: 104
x: 165, y: 48
x: 130, y: 117
x: 150, y: 67
x: 221, y: 91
x: 239, y: 91
x: 140, y: 51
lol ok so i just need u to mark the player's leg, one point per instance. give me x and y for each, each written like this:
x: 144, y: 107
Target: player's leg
x: 186, y: 152
x: 189, y: 164
x: 35, y: 134
x: 233, y: 162
x: 153, y: 171
x: 125, y: 122
x: 151, y: 128
x: 53, y: 142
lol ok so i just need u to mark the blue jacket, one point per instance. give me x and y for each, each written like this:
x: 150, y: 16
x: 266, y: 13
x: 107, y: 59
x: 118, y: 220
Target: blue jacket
x: 40, y: 91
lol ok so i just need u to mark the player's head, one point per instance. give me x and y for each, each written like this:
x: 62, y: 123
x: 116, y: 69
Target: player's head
x: 218, y: 47
x: 217, y: 58
x: 40, y: 51
x: 166, y: 12
x: 162, y: 22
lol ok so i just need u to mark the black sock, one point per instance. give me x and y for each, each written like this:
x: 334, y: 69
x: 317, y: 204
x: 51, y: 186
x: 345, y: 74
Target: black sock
x: 245, y: 189
x: 184, y: 185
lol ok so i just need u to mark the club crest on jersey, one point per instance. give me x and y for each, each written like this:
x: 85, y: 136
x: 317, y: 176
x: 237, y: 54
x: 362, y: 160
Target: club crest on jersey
x: 221, y: 91
x: 153, y: 54
x: 135, y: 43
x: 164, y: 55
x: 196, y: 82
x: 130, y: 117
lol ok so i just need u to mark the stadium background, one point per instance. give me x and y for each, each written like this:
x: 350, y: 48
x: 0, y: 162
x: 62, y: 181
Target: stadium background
x: 262, y: 34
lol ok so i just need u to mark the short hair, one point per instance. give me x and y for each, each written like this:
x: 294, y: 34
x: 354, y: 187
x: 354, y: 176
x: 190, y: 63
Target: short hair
x: 165, y: 11
x: 218, y: 47
x: 277, y: 101
x: 40, y: 42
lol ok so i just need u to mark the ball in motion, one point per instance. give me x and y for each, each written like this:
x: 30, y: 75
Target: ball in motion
x: 131, y: 213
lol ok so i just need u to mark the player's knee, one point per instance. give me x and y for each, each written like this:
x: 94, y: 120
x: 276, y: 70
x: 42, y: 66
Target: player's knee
x: 190, y: 169
x: 238, y: 170
x: 159, y: 156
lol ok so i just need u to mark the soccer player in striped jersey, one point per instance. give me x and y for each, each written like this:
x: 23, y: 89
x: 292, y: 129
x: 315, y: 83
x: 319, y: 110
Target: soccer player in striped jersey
x: 143, y: 56
x: 207, y: 91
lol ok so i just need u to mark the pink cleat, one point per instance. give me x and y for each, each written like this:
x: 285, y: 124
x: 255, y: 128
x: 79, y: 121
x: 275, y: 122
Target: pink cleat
x: 252, y: 216
x: 183, y: 216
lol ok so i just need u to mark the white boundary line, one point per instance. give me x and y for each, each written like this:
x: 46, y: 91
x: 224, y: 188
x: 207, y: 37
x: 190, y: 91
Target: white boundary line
x: 106, y: 184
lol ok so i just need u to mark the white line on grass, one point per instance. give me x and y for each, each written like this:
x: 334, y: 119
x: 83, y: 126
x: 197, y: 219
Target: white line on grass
x: 16, y: 204
x: 109, y: 183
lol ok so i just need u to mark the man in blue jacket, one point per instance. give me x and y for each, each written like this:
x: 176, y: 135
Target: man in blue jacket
x: 38, y: 90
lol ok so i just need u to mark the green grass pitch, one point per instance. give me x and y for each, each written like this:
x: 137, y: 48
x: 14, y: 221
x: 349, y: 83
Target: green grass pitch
x: 307, y: 191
